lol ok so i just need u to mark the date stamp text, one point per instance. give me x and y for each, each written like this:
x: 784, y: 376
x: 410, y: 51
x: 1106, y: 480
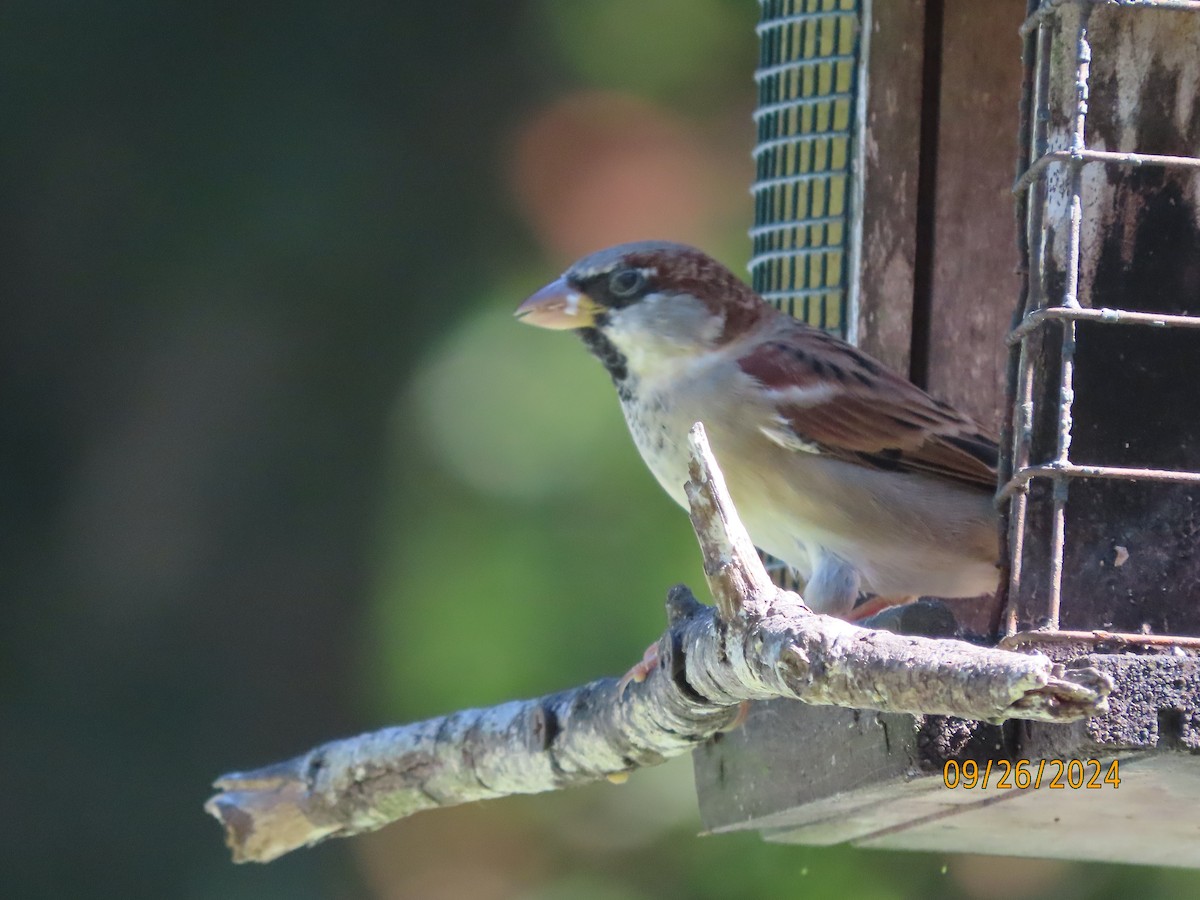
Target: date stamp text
x: 1055, y: 774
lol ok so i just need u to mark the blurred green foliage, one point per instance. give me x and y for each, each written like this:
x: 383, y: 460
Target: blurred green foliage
x: 672, y: 50
x: 277, y: 465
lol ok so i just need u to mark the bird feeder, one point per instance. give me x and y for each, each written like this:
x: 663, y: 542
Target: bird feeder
x: 884, y: 211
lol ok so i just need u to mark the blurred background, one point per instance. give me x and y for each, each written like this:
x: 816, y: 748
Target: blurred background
x: 278, y: 466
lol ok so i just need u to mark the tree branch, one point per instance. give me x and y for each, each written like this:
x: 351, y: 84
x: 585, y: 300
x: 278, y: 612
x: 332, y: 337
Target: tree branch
x: 758, y: 642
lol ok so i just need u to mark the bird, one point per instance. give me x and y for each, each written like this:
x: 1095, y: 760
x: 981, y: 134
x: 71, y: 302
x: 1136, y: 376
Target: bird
x: 855, y: 477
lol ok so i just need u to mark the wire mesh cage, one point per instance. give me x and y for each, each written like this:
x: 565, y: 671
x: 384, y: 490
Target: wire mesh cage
x: 1101, y: 467
x: 807, y: 91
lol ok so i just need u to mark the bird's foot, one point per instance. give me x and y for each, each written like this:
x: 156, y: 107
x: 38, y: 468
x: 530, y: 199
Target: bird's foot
x: 647, y: 664
x: 874, y: 606
x: 640, y: 670
x: 742, y: 713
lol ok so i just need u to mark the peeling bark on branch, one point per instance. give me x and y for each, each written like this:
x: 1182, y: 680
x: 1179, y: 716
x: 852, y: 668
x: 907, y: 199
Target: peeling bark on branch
x: 562, y: 740
x: 758, y: 642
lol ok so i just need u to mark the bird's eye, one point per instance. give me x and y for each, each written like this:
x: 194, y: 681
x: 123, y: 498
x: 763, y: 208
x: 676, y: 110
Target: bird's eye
x: 625, y: 282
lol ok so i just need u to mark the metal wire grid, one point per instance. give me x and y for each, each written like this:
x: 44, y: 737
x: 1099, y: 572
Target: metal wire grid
x: 807, y: 84
x: 809, y: 55
x: 1038, y: 308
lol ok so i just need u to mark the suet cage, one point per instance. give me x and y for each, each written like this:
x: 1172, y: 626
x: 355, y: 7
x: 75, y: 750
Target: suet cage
x: 1088, y: 324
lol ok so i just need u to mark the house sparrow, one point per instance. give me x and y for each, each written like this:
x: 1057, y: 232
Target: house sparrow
x: 837, y: 466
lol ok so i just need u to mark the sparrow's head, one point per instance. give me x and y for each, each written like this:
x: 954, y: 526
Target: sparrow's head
x: 645, y: 304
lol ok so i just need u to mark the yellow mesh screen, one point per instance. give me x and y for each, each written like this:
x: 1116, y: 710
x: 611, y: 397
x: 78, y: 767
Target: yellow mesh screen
x: 807, y: 77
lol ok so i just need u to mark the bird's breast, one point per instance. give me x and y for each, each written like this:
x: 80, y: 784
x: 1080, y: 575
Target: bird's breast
x: 659, y: 429
x: 660, y: 412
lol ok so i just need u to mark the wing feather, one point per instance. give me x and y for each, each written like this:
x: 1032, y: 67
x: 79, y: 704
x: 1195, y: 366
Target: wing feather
x: 871, y: 417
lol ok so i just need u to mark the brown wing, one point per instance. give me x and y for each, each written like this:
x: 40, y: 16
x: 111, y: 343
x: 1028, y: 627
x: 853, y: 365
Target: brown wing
x: 839, y: 401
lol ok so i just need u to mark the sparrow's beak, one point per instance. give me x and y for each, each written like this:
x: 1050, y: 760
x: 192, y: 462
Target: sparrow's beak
x: 559, y: 306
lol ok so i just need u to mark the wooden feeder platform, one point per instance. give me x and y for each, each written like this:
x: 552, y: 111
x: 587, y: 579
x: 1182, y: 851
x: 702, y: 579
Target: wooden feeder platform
x: 823, y: 775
